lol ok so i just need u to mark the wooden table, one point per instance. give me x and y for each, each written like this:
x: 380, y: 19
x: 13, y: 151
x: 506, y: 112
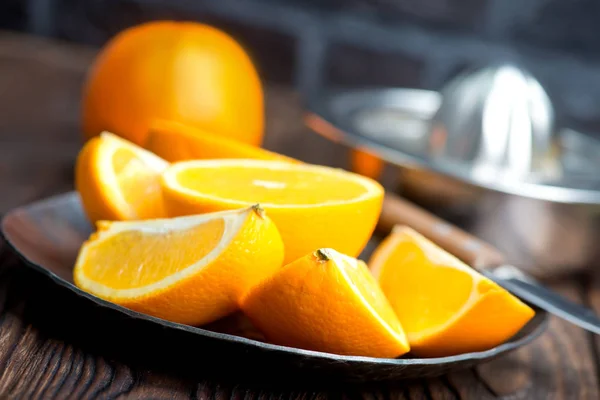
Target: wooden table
x: 40, y: 85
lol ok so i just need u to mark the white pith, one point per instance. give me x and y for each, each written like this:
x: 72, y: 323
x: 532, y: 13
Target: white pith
x: 338, y: 257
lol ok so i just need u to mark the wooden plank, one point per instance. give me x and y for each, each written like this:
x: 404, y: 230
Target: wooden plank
x: 37, y: 363
x: 592, y: 286
x: 560, y: 364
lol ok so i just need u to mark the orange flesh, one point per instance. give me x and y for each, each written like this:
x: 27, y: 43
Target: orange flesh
x: 444, y: 306
x: 423, y: 288
x: 147, y: 257
x: 261, y: 185
x: 139, y: 185
x: 368, y: 288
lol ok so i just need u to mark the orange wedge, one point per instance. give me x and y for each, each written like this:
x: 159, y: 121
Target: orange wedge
x: 175, y: 141
x: 192, y: 270
x: 312, y: 206
x: 445, y: 307
x: 326, y: 301
x: 118, y: 180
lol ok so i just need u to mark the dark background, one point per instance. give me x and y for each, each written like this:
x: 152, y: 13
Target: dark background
x: 416, y: 43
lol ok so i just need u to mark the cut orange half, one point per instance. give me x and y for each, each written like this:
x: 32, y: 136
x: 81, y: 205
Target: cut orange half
x: 445, y: 307
x: 175, y: 141
x: 118, y: 180
x: 326, y: 301
x: 192, y: 270
x: 313, y: 206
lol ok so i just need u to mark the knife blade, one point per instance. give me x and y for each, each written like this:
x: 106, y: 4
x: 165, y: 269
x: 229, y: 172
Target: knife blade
x: 525, y: 287
x: 485, y: 258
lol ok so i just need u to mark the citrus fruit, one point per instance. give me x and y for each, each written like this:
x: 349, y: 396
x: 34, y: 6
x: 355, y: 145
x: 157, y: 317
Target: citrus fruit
x: 313, y: 206
x: 175, y: 141
x: 326, y: 301
x: 445, y: 307
x: 365, y: 163
x: 182, y: 71
x: 191, y: 270
x: 117, y: 180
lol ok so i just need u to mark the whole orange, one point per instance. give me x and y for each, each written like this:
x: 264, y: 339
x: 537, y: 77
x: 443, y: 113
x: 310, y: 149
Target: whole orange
x: 181, y: 71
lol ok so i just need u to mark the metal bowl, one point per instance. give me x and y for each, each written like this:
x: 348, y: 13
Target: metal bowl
x: 545, y: 223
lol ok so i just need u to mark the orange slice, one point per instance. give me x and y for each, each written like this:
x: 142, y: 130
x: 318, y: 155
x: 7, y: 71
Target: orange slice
x: 192, y: 270
x: 326, y: 301
x: 313, y: 206
x: 365, y: 163
x: 118, y: 180
x: 445, y: 307
x: 175, y: 141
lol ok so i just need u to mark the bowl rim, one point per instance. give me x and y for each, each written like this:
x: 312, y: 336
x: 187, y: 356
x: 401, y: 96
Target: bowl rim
x: 334, y: 125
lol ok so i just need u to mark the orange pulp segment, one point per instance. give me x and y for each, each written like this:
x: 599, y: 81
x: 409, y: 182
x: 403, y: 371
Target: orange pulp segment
x: 118, y: 180
x: 191, y: 270
x: 326, y: 301
x: 445, y: 307
x: 313, y: 206
x: 176, y: 141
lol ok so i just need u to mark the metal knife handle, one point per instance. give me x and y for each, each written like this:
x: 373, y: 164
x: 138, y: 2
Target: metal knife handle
x: 476, y: 253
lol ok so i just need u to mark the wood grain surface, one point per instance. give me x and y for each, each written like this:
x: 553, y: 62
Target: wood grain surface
x: 46, y: 353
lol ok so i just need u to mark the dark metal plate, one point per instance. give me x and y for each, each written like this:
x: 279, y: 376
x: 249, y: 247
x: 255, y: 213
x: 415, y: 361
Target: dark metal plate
x: 47, y: 235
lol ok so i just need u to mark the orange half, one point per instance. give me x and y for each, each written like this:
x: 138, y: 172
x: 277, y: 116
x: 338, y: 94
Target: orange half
x: 445, y: 307
x: 313, y: 206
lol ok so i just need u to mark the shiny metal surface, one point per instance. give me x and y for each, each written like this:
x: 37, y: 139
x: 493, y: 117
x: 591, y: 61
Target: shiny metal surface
x: 497, y: 119
x: 362, y: 118
x: 546, y: 223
